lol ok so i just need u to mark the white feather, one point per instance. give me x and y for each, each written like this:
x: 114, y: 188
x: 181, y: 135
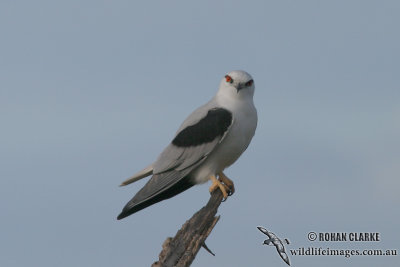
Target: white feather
x: 143, y: 173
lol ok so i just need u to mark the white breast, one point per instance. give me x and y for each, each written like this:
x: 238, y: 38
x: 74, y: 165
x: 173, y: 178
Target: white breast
x: 239, y: 136
x: 235, y: 142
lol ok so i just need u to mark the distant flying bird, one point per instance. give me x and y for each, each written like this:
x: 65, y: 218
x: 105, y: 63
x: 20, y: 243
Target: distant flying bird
x: 212, y: 138
x: 273, y: 240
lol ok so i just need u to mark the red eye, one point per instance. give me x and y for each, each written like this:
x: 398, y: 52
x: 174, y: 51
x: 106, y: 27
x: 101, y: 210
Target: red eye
x: 249, y: 83
x: 228, y: 79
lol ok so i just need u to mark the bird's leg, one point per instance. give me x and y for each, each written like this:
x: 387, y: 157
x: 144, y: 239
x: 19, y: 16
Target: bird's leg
x: 228, y: 182
x: 217, y: 184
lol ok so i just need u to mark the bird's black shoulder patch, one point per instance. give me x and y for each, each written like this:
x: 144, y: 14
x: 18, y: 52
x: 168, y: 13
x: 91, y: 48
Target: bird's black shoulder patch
x: 214, y: 124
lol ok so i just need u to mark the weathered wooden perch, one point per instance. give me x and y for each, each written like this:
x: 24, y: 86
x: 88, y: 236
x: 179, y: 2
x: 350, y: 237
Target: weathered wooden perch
x: 181, y: 250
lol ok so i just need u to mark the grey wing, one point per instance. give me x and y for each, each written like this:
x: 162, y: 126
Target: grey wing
x: 265, y: 231
x: 168, y: 182
x: 190, y: 147
x: 159, y: 187
x: 180, y: 158
x: 179, y: 167
x: 199, y: 134
x: 183, y: 156
x: 195, y: 140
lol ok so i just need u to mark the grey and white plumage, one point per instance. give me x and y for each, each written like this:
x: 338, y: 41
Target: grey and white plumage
x: 273, y: 240
x: 208, y: 141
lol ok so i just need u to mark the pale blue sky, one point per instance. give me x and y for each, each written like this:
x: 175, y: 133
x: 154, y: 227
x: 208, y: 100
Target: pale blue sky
x: 92, y: 91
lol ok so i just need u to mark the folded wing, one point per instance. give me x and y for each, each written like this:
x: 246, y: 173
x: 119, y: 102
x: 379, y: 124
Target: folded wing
x: 198, y: 136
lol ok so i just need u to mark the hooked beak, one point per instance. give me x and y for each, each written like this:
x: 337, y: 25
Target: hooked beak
x: 239, y: 87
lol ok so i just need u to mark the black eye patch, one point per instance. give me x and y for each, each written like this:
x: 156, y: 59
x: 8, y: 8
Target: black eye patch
x: 249, y: 83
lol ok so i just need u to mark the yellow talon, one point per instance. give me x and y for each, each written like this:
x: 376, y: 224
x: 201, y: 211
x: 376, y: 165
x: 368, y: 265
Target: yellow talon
x: 228, y: 182
x: 217, y: 184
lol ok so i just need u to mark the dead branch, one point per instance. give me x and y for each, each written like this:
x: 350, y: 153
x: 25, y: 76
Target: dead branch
x: 181, y: 250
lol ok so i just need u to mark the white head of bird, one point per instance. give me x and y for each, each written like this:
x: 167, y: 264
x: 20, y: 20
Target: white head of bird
x: 236, y: 84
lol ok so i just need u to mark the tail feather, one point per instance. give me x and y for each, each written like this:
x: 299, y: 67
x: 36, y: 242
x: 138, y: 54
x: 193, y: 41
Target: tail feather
x: 143, y: 173
x: 135, y: 205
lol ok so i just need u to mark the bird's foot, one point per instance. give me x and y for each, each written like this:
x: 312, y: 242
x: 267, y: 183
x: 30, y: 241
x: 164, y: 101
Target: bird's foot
x: 228, y: 182
x: 217, y: 184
